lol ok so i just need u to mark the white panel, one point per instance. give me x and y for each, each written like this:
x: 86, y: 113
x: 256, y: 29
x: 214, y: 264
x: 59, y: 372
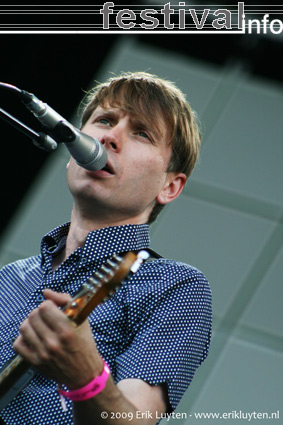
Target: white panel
x: 47, y: 205
x: 265, y: 311
x: 197, y: 81
x: 222, y: 243
x: 244, y: 152
x: 246, y: 378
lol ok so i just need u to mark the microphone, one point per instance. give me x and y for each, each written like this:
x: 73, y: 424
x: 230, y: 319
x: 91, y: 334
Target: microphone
x: 87, y: 151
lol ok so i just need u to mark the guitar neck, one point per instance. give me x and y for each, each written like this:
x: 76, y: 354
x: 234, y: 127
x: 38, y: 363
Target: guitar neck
x: 13, y: 378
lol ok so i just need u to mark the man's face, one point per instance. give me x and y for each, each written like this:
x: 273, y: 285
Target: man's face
x: 135, y: 175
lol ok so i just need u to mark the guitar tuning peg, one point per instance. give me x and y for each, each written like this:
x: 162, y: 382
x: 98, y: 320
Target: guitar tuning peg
x: 111, y: 263
x: 92, y: 281
x: 99, y: 275
x: 117, y: 258
x: 142, y: 256
x: 106, y: 270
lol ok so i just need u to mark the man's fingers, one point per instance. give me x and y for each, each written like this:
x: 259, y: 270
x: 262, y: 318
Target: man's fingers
x: 58, y: 298
x: 26, y: 345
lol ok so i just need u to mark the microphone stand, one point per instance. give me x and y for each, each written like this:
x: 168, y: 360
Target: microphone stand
x: 40, y: 140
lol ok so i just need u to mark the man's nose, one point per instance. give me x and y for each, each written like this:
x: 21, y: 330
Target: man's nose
x: 113, y: 139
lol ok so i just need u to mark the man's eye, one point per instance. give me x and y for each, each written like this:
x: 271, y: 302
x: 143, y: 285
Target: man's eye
x: 143, y: 134
x: 146, y: 136
x: 103, y: 121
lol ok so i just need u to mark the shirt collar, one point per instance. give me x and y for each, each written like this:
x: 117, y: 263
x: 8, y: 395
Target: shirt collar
x: 101, y: 243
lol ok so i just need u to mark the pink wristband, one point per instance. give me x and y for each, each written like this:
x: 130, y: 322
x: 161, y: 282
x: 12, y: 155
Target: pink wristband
x: 90, y: 390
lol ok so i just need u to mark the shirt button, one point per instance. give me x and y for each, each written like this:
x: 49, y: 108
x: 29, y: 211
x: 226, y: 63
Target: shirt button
x: 40, y: 298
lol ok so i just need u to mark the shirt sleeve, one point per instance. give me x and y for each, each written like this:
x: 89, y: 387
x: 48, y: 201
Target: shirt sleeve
x: 169, y: 324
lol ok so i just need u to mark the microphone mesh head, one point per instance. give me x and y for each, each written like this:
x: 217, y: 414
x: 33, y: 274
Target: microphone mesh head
x: 97, y: 160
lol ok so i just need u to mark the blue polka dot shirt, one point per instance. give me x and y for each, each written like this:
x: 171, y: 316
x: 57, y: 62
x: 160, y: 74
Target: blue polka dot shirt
x: 156, y: 327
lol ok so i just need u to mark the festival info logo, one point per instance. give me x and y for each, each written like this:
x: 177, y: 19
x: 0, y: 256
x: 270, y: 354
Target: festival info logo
x: 110, y: 17
x: 186, y: 19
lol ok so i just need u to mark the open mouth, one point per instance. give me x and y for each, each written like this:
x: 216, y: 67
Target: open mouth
x: 108, y: 169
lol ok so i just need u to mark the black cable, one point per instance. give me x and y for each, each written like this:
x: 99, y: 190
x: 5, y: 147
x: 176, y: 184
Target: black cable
x: 18, y: 124
x: 10, y: 87
x: 41, y: 140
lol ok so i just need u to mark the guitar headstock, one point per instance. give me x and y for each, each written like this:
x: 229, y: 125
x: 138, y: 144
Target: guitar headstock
x: 103, y: 284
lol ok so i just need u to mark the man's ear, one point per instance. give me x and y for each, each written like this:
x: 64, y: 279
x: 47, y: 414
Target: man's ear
x: 174, y: 185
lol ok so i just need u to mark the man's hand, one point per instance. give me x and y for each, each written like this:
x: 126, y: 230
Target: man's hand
x: 56, y: 346
x: 67, y: 353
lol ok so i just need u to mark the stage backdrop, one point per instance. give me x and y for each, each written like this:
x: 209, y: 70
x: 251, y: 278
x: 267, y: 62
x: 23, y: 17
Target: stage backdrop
x: 227, y: 222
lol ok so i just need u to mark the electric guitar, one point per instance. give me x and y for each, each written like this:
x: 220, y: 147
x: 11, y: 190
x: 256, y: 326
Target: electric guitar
x: 17, y: 373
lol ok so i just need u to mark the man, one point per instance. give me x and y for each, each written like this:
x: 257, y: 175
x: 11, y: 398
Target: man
x: 155, y: 331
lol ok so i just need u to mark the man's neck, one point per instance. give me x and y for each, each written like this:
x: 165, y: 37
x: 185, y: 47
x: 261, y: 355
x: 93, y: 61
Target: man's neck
x: 76, y: 238
x: 80, y: 227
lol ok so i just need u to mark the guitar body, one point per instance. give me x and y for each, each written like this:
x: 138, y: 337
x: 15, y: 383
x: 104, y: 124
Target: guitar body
x: 17, y: 373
